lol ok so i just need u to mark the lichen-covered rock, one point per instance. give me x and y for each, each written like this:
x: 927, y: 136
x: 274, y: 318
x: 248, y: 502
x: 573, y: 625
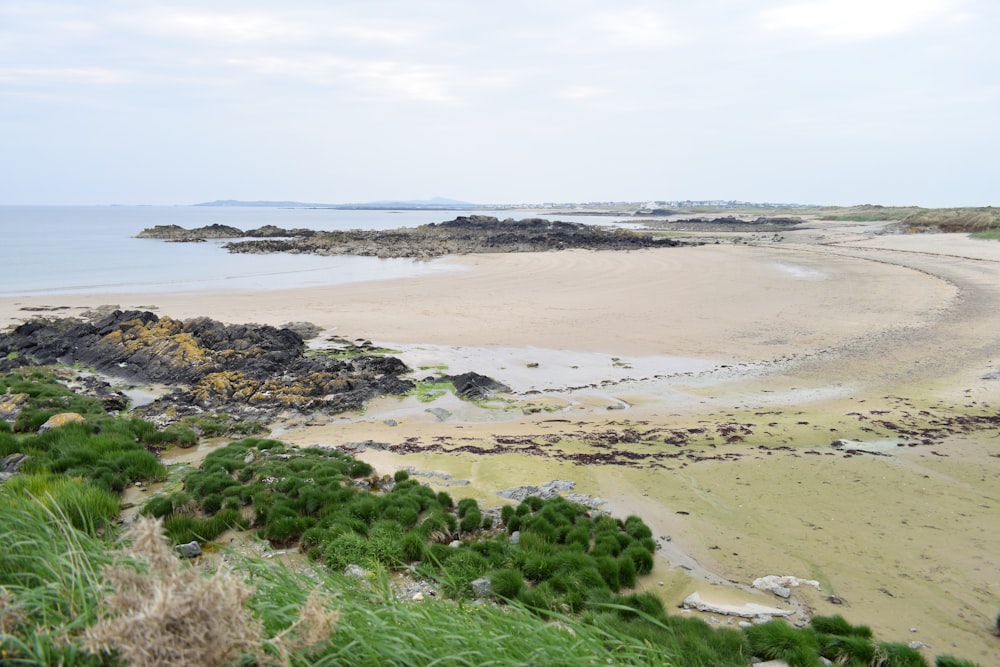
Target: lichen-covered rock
x: 11, y: 405
x: 255, y: 371
x: 60, y: 420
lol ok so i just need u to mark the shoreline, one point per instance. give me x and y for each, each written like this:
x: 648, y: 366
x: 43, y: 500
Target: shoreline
x: 796, y: 338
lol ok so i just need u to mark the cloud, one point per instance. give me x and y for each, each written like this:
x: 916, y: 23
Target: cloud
x: 63, y: 75
x: 856, y: 20
x: 637, y: 28
x: 266, y: 28
x: 375, y: 78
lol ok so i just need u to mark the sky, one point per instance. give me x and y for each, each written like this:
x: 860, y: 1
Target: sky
x: 835, y: 102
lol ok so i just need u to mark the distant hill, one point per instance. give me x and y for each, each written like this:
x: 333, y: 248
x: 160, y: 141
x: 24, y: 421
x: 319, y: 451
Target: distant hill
x: 437, y: 203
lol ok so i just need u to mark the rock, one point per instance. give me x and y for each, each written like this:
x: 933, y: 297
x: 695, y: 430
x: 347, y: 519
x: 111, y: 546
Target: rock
x: 746, y: 610
x: 10, y: 463
x: 475, y: 387
x: 252, y: 372
x: 587, y: 501
x: 418, y: 597
x: 454, y: 544
x: 515, y: 537
x: 464, y: 234
x: 11, y: 406
x: 356, y: 572
x: 61, y: 419
x: 545, y: 491
x: 177, y: 233
x: 772, y: 582
x: 189, y: 550
x: 482, y: 588
x: 916, y: 646
x: 782, y: 592
x: 390, y: 422
x: 439, y: 413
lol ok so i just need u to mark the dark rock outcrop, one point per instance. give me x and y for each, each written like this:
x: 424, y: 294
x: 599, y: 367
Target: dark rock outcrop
x: 475, y: 387
x: 253, y: 370
x: 463, y: 235
x: 178, y: 233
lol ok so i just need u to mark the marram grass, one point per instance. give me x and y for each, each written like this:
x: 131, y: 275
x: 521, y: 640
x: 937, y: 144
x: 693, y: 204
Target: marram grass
x: 55, y: 581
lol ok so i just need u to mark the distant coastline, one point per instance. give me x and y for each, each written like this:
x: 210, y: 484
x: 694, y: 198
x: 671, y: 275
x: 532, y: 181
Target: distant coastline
x: 435, y: 204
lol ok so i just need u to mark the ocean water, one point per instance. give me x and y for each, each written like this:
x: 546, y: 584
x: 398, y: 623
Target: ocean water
x: 92, y: 249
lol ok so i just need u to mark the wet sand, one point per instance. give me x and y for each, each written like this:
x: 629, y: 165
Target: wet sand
x: 832, y: 333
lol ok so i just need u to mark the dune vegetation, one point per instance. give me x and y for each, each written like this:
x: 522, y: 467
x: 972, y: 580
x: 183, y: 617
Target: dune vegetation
x: 916, y: 219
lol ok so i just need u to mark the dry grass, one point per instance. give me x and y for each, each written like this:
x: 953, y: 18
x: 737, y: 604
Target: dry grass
x: 167, y: 613
x: 954, y: 219
x: 172, y: 615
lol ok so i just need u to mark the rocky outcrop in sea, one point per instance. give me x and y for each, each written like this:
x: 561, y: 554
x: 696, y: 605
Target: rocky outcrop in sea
x: 463, y: 235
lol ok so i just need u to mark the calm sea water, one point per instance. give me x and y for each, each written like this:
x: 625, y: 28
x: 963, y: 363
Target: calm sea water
x: 92, y: 249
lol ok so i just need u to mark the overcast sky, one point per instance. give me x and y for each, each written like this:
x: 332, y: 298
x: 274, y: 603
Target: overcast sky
x: 807, y: 101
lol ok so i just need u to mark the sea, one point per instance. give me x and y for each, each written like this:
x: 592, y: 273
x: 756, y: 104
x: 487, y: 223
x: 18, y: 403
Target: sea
x: 93, y: 249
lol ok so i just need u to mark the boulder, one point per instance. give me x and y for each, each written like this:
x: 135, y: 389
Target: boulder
x: 475, y: 387
x: 11, y: 405
x: 189, y: 550
x: 11, y: 462
x: 482, y: 588
x: 61, y: 419
x: 356, y: 572
x: 781, y: 585
x: 746, y: 610
x: 545, y: 491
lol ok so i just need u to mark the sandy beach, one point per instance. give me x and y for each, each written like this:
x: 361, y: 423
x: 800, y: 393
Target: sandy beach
x: 887, y: 340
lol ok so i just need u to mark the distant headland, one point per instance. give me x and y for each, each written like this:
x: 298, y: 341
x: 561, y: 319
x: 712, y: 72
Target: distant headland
x: 435, y: 204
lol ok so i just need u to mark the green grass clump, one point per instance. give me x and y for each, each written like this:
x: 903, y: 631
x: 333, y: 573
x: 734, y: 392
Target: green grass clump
x: 949, y: 661
x: 892, y: 654
x: 217, y: 425
x: 837, y: 625
x: 50, y: 584
x: 990, y: 235
x: 87, y: 507
x: 507, y: 583
x: 776, y: 640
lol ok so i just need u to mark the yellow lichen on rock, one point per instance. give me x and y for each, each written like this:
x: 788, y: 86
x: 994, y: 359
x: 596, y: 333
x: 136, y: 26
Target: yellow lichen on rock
x: 226, y: 384
x: 11, y: 405
x: 61, y: 419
